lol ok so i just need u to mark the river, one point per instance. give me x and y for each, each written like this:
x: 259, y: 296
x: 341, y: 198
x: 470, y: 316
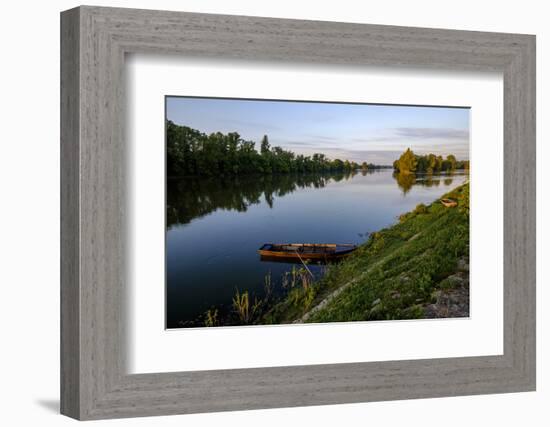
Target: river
x: 216, y: 225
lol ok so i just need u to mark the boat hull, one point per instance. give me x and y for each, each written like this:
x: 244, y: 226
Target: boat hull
x: 449, y: 203
x: 303, y: 252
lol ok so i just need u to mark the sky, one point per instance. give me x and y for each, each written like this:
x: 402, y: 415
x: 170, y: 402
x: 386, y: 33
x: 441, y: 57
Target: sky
x: 356, y: 132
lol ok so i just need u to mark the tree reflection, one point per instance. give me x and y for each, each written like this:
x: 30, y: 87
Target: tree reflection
x: 365, y: 172
x: 405, y: 181
x: 193, y: 197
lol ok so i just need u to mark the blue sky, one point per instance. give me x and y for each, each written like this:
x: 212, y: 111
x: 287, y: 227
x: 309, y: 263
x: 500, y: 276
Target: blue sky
x: 358, y: 132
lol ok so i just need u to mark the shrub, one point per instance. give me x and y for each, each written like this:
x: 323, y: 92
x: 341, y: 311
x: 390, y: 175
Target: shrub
x: 211, y: 317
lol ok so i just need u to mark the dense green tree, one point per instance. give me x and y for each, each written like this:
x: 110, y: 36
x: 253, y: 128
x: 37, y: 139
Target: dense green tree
x: 409, y: 163
x: 465, y: 164
x: 190, y: 152
x: 451, y: 161
x: 264, y: 148
x: 431, y: 163
x: 422, y: 163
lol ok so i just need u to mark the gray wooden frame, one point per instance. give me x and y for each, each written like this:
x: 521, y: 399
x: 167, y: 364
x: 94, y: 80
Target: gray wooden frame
x: 94, y: 41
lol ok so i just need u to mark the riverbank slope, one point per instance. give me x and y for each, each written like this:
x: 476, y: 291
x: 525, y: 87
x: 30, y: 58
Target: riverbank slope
x: 417, y: 268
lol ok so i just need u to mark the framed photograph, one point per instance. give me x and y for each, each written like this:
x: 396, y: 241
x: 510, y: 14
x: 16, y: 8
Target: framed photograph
x: 261, y: 213
x: 227, y: 202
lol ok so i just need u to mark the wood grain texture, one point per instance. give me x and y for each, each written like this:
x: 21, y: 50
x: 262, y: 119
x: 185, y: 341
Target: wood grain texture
x: 94, y: 271
x: 70, y: 220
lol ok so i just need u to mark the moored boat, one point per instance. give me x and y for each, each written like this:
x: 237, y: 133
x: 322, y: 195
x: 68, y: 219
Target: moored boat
x: 307, y: 251
x: 449, y: 203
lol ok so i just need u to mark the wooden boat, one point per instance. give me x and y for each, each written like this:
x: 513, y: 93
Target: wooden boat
x: 306, y: 251
x: 449, y: 203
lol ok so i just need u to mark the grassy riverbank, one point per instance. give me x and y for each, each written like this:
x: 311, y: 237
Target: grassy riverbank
x: 416, y: 268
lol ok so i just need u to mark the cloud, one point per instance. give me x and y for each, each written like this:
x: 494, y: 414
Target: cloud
x: 404, y: 134
x: 322, y: 137
x: 308, y: 140
x: 245, y: 124
x: 289, y: 143
x: 432, y: 133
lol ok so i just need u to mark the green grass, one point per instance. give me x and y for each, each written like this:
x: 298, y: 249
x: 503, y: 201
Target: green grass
x: 393, y: 274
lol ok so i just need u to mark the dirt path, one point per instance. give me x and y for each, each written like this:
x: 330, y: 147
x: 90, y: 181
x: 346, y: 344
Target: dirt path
x: 334, y: 294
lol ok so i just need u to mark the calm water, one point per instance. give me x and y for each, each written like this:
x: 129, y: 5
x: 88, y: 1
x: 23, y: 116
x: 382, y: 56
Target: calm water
x: 215, y: 227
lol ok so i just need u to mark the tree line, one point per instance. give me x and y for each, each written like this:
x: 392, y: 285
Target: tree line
x: 410, y: 163
x: 191, y: 152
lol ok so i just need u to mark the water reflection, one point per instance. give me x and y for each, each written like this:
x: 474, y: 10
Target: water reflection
x: 406, y: 181
x: 216, y: 225
x: 189, y: 198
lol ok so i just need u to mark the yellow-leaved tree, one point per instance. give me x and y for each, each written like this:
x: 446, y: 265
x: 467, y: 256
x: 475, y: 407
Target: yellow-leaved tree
x: 407, y: 162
